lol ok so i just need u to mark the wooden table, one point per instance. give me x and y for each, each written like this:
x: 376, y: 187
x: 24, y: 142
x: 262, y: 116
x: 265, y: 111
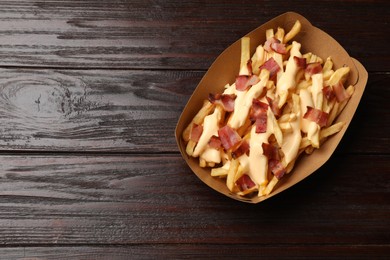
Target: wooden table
x: 91, y: 92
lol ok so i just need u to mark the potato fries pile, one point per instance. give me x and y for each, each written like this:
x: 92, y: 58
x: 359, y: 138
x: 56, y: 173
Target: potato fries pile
x: 282, y: 104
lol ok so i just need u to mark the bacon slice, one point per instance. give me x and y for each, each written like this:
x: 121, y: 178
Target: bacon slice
x: 243, y: 82
x: 196, y: 132
x: 215, y: 142
x: 316, y: 115
x: 261, y: 124
x: 275, y: 107
x: 271, y: 151
x: 257, y: 109
x: 328, y: 93
x: 273, y: 44
x: 340, y: 92
x: 242, y: 149
x: 301, y: 62
x: 277, y: 169
x: 258, y: 114
x: 312, y: 68
x: 272, y: 66
x: 268, y: 42
x: 245, y: 183
x: 229, y: 137
x: 225, y: 100
x: 279, y: 47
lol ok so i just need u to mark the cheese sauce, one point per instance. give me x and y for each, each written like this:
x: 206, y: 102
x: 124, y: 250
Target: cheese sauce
x: 292, y: 140
x: 243, y: 101
x: 210, y: 128
x: 287, y: 80
x: 306, y: 100
x: 258, y: 162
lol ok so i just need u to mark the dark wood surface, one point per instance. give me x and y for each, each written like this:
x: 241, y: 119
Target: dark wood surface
x: 90, y: 94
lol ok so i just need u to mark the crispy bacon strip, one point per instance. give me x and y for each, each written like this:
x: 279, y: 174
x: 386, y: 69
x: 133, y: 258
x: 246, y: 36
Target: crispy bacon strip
x: 276, y: 168
x: 225, y: 100
x: 242, y: 149
x: 272, y: 66
x: 243, y: 82
x: 279, y: 47
x: 229, y: 137
x: 340, y: 92
x: 328, y: 93
x: 316, y: 115
x: 273, y: 44
x: 275, y: 107
x: 245, y: 183
x: 271, y: 151
x: 215, y: 142
x: 196, y: 132
x: 258, y: 114
x: 301, y: 62
x: 312, y: 68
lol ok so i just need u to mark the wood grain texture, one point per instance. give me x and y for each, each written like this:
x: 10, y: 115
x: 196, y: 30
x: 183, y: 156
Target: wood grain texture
x: 63, y: 200
x: 90, y: 93
x: 89, y: 110
x: 133, y: 111
x: 170, y: 34
x: 189, y: 251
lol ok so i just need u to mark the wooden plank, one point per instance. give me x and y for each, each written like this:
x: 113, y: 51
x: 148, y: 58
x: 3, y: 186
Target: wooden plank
x: 92, y: 110
x: 133, y: 111
x: 196, y: 251
x: 163, y: 34
x: 96, y: 200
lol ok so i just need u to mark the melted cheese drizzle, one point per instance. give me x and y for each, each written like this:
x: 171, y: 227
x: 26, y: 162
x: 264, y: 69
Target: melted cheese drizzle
x: 313, y: 133
x: 306, y: 100
x: 210, y: 128
x: 243, y: 101
x: 287, y: 80
x: 258, y: 162
x: 292, y: 140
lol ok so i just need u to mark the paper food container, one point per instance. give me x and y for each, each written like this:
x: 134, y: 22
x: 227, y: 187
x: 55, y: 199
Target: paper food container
x: 224, y: 70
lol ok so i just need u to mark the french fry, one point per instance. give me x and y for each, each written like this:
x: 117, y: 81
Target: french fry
x: 271, y: 185
x: 238, y: 174
x: 276, y: 129
x: 331, y: 130
x: 285, y: 118
x: 349, y: 91
x: 305, y: 142
x: 198, y: 119
x: 307, y: 56
x: 285, y: 127
x: 279, y: 34
x: 219, y: 172
x: 339, y: 75
x: 242, y: 130
x: 202, y: 162
x: 293, y: 32
x: 190, y: 147
x: 333, y: 113
x: 269, y: 33
x: 210, y: 164
x: 327, y: 74
x: 231, y: 174
x: 248, y: 191
x: 245, y: 55
x: 258, y: 59
x: 328, y: 65
x: 304, y: 84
